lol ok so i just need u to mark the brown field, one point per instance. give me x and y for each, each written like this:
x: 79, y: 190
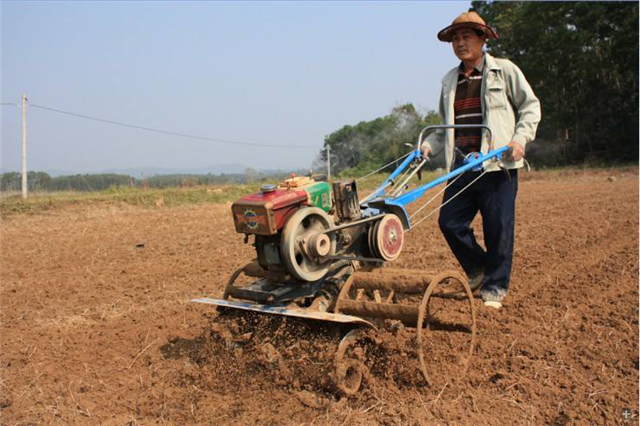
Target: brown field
x: 97, y: 328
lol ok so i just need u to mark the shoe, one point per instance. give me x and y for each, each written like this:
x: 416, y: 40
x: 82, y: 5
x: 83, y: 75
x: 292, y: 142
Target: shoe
x: 475, y: 282
x: 493, y: 304
x: 492, y: 299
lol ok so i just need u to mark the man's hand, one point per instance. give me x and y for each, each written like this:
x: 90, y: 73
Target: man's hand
x: 516, y: 153
x: 424, y: 149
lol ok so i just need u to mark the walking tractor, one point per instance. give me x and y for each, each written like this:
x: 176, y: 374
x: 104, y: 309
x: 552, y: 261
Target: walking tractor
x: 322, y: 254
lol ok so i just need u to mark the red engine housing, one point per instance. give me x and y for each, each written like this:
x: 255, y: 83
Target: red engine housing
x: 265, y: 213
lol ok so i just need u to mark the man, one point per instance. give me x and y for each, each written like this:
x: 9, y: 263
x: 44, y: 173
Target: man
x: 494, y: 92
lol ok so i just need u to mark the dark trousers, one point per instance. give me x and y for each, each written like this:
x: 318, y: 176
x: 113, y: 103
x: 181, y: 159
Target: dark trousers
x: 494, y: 195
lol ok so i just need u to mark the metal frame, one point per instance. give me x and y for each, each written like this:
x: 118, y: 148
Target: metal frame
x: 396, y: 201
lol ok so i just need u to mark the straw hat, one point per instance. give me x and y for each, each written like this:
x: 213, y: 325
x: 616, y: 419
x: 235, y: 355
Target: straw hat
x: 467, y: 20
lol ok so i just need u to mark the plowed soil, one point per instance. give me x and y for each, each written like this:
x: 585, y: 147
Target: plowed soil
x: 97, y: 327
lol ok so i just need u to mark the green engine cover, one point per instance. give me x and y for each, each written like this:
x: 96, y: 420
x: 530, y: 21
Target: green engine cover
x: 320, y: 195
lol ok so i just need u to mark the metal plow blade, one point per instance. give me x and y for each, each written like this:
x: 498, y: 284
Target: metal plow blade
x: 280, y: 310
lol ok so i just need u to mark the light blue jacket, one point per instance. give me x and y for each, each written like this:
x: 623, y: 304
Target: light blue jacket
x: 509, y: 108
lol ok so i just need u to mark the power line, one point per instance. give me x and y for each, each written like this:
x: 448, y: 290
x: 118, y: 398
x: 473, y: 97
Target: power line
x: 167, y: 132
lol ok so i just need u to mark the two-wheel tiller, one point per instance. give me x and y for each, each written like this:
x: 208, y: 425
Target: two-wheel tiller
x: 321, y: 253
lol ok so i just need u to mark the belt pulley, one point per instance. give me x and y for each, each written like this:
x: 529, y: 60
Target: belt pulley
x: 386, y: 237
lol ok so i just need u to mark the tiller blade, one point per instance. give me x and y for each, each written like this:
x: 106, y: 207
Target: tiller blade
x: 282, y: 310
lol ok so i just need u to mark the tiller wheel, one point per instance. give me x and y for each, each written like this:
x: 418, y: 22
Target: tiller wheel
x: 440, y: 307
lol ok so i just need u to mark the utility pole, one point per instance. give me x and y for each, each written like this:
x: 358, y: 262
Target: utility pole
x: 328, y: 163
x: 24, y: 146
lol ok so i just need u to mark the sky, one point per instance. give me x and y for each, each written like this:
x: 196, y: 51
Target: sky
x: 267, y: 73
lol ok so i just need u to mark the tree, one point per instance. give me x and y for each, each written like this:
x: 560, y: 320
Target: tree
x: 38, y: 181
x: 581, y: 59
x: 11, y: 181
x: 250, y: 175
x: 370, y: 144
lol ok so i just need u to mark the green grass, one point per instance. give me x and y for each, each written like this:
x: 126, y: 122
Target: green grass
x: 142, y: 197
x: 38, y: 202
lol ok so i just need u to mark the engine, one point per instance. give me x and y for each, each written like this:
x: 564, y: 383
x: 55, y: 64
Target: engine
x: 303, y: 232
x: 266, y: 213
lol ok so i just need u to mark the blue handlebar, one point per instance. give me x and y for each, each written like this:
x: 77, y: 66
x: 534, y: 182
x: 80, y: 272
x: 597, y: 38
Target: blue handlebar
x: 378, y: 201
x: 411, y: 196
x: 415, y: 154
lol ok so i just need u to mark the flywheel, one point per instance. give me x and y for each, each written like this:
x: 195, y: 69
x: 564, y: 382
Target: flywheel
x: 304, y: 246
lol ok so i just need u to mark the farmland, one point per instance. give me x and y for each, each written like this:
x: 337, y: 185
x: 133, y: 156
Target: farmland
x: 96, y: 325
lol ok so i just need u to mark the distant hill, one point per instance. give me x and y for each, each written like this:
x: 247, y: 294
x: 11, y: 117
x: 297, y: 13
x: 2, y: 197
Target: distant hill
x: 139, y: 172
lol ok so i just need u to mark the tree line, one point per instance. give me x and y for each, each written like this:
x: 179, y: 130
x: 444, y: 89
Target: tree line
x: 581, y: 58
x: 41, y: 181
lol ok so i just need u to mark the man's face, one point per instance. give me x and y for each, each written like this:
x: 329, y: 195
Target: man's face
x: 467, y: 45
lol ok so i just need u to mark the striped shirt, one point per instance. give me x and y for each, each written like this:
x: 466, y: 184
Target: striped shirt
x: 468, y: 109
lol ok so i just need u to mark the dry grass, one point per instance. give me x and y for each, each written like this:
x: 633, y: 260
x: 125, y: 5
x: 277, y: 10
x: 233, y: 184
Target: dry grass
x: 117, y: 198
